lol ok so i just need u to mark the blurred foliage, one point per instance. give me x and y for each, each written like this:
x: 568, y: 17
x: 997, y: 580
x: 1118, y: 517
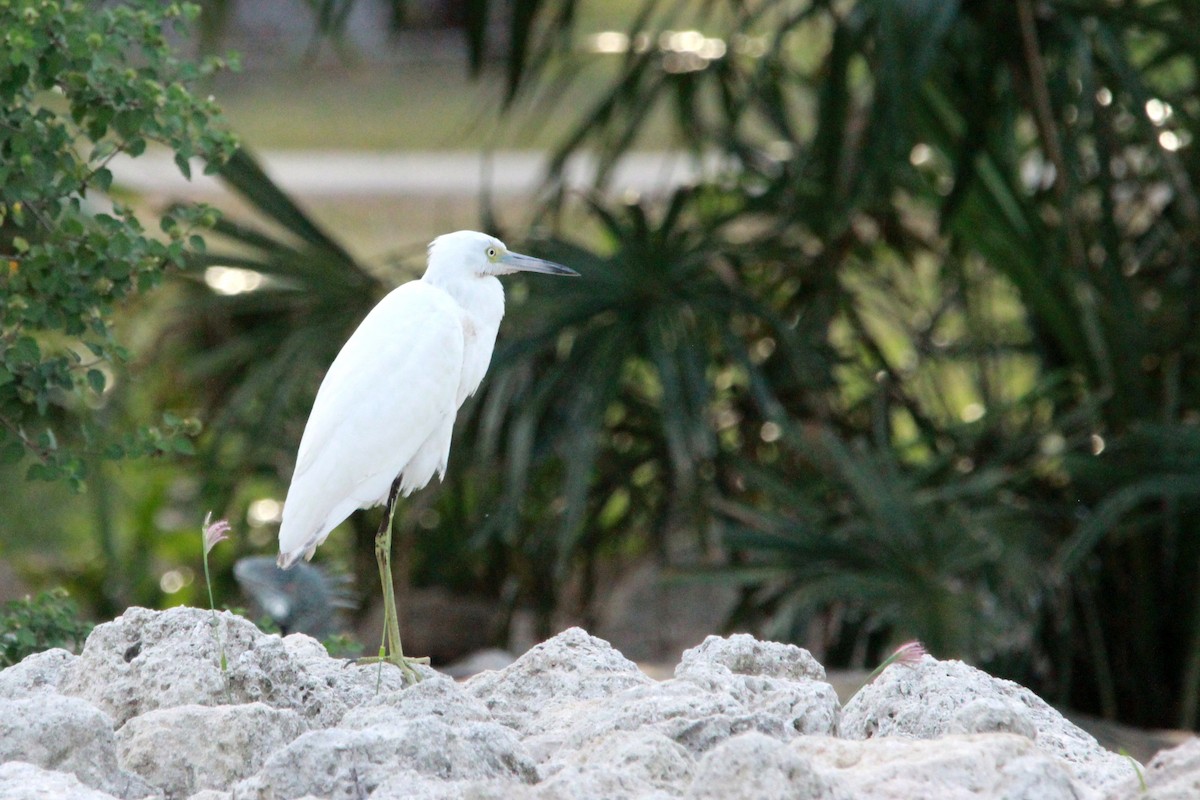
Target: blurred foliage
x: 342, y: 645
x: 243, y: 348
x: 33, y: 624
x: 80, y: 85
x: 916, y: 356
x: 891, y: 546
x: 252, y: 360
x: 616, y: 398
x: 988, y: 212
x: 514, y: 28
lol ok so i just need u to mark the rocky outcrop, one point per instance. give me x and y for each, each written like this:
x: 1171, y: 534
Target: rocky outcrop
x: 932, y: 699
x: 146, y: 660
x: 67, y: 735
x: 146, y: 711
x: 184, y: 749
x: 1171, y: 775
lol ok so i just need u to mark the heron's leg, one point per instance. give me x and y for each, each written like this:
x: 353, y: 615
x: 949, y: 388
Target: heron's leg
x: 383, y: 555
x: 391, y: 619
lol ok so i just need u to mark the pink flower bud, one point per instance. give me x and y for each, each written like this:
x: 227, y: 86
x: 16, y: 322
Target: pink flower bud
x: 909, y: 653
x: 215, y: 532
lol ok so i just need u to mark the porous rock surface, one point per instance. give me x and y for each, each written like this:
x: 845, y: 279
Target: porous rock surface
x: 932, y: 699
x: 68, y: 735
x: 160, y: 745
x: 145, y: 660
x: 1171, y: 775
x: 146, y: 711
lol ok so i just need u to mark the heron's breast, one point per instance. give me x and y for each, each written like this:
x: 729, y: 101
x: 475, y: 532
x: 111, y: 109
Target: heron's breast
x: 479, y: 339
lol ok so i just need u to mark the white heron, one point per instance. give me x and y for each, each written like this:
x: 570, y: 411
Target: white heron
x: 381, y: 423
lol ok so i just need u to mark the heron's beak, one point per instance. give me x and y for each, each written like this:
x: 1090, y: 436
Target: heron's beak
x: 515, y: 262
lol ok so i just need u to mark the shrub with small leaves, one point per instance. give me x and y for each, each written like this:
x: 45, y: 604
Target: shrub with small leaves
x: 39, y: 623
x: 80, y: 84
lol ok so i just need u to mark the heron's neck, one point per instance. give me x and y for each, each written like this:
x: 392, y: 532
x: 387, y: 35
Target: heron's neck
x: 480, y: 297
x: 482, y: 303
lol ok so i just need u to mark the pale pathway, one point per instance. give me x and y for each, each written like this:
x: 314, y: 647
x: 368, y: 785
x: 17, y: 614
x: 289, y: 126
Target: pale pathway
x: 415, y: 174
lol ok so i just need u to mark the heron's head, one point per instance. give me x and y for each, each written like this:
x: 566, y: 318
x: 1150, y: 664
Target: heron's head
x: 466, y: 254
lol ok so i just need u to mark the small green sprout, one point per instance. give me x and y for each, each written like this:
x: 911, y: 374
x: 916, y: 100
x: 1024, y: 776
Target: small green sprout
x: 1137, y: 768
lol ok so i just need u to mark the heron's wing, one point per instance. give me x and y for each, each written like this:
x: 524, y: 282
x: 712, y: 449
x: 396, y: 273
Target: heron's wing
x: 391, y: 387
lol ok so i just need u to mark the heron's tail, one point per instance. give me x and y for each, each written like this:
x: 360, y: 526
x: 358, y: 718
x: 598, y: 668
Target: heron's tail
x: 289, y: 557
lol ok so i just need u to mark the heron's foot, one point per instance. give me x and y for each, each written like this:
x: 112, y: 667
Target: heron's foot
x: 411, y: 675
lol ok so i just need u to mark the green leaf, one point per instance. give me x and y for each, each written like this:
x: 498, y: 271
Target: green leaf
x: 184, y: 165
x: 38, y: 471
x: 1103, y: 520
x: 84, y: 82
x: 245, y: 175
x: 11, y: 452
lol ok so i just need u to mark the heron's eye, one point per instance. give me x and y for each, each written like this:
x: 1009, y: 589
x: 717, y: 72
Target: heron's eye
x: 492, y: 253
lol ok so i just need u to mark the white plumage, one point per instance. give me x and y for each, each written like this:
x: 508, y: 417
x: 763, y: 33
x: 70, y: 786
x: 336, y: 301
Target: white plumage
x: 378, y: 414
x: 384, y: 414
x: 387, y: 405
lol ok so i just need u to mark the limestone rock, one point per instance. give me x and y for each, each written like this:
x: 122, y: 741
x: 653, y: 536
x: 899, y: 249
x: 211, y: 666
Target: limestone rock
x: 780, y: 680
x: 623, y: 764
x: 571, y: 718
x: 931, y: 699
x: 427, y: 740
x: 993, y: 715
x: 570, y: 667
x: 692, y: 717
x: 1171, y: 775
x: 340, y: 762
x: 773, y: 691
x: 146, y: 660
x: 40, y: 672
x: 22, y: 781
x: 997, y: 765
x: 409, y: 785
x: 742, y: 654
x: 437, y: 697
x: 319, y: 687
x: 185, y: 749
x: 757, y: 767
x: 66, y: 735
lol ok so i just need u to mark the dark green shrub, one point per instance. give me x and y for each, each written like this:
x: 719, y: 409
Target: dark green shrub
x: 33, y: 624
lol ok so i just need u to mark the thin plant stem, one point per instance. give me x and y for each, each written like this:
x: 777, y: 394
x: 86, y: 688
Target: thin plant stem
x: 211, y: 534
x: 212, y: 606
x: 908, y: 654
